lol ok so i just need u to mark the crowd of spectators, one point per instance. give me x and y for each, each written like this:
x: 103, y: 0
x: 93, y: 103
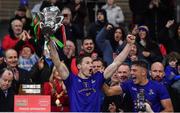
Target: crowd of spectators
x: 103, y: 66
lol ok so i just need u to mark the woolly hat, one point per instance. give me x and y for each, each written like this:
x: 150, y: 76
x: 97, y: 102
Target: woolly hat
x: 30, y: 46
x: 144, y: 28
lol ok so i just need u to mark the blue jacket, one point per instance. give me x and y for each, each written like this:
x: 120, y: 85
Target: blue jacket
x: 105, y: 46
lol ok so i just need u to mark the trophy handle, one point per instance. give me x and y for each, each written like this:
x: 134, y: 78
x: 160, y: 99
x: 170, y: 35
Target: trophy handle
x: 59, y: 19
x: 41, y: 25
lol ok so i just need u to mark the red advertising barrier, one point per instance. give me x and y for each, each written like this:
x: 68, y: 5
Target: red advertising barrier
x: 32, y: 103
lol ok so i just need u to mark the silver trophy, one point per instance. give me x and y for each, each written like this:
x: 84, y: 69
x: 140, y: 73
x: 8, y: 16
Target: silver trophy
x: 50, y: 20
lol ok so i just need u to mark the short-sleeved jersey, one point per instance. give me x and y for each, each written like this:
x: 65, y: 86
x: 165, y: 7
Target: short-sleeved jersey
x: 85, y: 94
x: 153, y: 92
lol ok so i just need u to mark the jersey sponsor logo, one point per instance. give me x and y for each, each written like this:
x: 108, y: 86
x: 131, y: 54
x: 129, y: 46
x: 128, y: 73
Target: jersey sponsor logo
x: 151, y: 92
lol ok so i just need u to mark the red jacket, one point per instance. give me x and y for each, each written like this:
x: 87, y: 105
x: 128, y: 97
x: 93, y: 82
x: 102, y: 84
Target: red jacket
x: 48, y: 90
x: 9, y: 42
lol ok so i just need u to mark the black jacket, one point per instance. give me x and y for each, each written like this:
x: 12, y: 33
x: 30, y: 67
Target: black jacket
x: 7, y: 103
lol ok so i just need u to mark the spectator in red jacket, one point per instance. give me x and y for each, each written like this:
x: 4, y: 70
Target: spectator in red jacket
x: 14, y: 36
x: 17, y: 36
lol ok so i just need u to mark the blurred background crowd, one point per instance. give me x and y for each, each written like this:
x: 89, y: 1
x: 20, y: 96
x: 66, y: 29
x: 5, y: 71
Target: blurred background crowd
x: 97, y: 28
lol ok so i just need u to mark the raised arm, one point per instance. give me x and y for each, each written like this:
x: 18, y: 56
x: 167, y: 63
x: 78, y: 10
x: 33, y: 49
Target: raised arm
x: 104, y: 45
x: 60, y: 66
x: 120, y: 58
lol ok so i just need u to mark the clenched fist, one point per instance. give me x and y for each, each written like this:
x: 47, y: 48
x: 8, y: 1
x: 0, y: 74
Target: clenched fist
x: 131, y: 39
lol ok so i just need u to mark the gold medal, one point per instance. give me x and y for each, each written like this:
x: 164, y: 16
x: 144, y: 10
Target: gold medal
x: 58, y: 103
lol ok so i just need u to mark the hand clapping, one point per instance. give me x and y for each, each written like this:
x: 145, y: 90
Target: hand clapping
x: 24, y: 36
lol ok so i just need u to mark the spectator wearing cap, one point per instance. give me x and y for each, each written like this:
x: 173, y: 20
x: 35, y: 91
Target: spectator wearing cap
x: 27, y: 57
